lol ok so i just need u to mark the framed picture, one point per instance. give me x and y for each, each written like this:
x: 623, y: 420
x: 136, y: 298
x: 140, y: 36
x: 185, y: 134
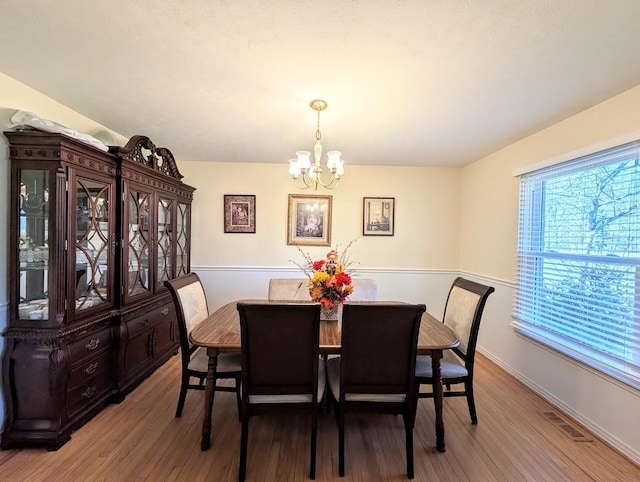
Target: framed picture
x: 239, y: 213
x: 378, y: 216
x: 309, y: 221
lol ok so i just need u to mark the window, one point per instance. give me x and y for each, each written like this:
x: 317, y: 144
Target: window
x: 579, y: 260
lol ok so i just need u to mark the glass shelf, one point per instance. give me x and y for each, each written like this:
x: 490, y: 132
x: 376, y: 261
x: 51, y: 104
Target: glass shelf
x: 33, y: 249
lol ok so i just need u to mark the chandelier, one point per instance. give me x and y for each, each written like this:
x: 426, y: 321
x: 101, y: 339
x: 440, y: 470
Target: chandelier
x: 305, y: 174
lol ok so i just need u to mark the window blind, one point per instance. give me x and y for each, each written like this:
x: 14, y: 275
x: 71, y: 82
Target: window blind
x: 579, y: 259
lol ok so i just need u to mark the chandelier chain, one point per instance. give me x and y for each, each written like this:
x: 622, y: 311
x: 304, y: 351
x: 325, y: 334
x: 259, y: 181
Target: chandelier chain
x: 318, y: 134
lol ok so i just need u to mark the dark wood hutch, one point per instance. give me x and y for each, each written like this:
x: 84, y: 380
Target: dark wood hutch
x: 93, y: 235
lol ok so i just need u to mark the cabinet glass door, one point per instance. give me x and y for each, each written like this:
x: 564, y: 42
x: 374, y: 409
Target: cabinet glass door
x: 33, y: 244
x: 93, y: 244
x: 164, y: 242
x: 137, y: 253
x: 182, y: 240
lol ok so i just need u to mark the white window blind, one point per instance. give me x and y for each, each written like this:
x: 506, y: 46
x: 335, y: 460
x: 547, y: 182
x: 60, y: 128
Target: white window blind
x: 579, y: 260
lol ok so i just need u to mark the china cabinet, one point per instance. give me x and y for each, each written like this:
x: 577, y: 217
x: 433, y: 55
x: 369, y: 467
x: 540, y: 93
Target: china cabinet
x: 155, y: 218
x: 92, y: 237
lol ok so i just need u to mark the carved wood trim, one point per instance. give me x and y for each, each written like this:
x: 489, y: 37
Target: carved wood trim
x: 160, y: 300
x: 159, y: 159
x: 46, y: 336
x: 169, y: 187
x: 53, y: 153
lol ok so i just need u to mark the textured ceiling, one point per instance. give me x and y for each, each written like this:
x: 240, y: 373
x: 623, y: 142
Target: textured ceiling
x: 413, y: 82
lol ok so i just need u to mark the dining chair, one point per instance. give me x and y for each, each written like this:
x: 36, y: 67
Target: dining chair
x: 375, y: 371
x: 191, y: 308
x: 281, y: 367
x: 462, y: 313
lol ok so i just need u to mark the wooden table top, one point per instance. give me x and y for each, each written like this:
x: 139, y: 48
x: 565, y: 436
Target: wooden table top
x: 221, y: 329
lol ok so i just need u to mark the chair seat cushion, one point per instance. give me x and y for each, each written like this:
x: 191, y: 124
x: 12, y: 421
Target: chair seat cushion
x: 450, y: 366
x: 227, y: 362
x: 294, y: 398
x: 333, y: 378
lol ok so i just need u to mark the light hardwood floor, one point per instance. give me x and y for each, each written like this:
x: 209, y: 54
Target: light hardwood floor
x: 517, y: 438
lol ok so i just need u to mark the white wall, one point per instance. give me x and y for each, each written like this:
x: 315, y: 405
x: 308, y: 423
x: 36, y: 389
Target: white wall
x: 426, y: 222
x: 417, y: 264
x: 488, y: 223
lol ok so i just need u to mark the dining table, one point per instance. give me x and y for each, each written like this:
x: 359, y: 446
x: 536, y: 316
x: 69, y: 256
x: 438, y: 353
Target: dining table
x: 220, y: 332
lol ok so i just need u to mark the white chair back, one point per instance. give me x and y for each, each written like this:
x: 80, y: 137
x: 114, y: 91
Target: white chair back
x: 460, y: 313
x: 194, y: 304
x: 295, y: 289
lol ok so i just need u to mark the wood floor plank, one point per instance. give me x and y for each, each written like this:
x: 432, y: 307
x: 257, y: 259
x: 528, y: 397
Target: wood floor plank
x: 141, y: 440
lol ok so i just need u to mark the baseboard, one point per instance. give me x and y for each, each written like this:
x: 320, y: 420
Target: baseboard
x: 603, y: 435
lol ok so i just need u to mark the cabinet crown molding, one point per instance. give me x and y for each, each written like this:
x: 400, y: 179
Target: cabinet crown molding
x: 141, y: 150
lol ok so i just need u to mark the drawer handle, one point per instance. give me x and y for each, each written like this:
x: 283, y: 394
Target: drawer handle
x: 93, y: 344
x: 145, y: 322
x: 165, y: 311
x: 91, y: 369
x: 89, y: 392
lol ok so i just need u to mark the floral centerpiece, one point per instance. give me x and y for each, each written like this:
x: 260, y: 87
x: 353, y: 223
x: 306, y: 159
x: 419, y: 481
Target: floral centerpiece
x: 329, y: 282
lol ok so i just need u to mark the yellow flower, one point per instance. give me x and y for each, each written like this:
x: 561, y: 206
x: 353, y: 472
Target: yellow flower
x: 316, y: 292
x: 320, y: 277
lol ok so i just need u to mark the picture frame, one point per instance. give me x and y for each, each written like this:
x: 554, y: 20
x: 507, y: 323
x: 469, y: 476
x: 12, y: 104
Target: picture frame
x: 239, y: 213
x: 378, y: 216
x: 309, y: 220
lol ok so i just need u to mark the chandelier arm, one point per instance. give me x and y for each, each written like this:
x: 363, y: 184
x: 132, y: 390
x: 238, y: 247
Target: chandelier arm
x: 306, y: 182
x: 313, y: 183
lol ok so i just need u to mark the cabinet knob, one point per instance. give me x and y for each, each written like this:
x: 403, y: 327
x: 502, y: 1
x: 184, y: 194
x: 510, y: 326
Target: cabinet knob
x: 165, y: 311
x: 91, y: 368
x: 89, y: 392
x: 93, y: 344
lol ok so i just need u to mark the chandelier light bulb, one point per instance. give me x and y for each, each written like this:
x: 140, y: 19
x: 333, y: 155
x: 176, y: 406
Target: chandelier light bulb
x: 304, y: 160
x: 294, y: 168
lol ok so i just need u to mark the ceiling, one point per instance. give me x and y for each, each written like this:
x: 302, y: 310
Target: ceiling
x: 408, y: 82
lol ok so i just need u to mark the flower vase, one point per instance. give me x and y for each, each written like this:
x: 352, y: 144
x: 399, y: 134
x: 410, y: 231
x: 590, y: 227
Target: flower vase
x: 329, y: 314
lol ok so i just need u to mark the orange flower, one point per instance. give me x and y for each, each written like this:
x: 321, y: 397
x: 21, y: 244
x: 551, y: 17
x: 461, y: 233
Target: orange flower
x: 328, y: 283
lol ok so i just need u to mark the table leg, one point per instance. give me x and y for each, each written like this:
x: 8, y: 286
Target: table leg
x: 209, y: 393
x: 437, y: 399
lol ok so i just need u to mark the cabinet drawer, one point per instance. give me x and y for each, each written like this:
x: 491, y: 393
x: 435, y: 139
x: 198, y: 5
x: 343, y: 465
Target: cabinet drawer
x: 88, y: 392
x: 90, y: 344
x: 88, y: 368
x: 151, y: 319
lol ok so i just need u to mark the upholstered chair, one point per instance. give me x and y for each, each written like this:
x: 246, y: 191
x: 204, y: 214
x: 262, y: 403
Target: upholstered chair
x: 191, y: 308
x: 375, y: 371
x: 281, y: 367
x: 462, y: 313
